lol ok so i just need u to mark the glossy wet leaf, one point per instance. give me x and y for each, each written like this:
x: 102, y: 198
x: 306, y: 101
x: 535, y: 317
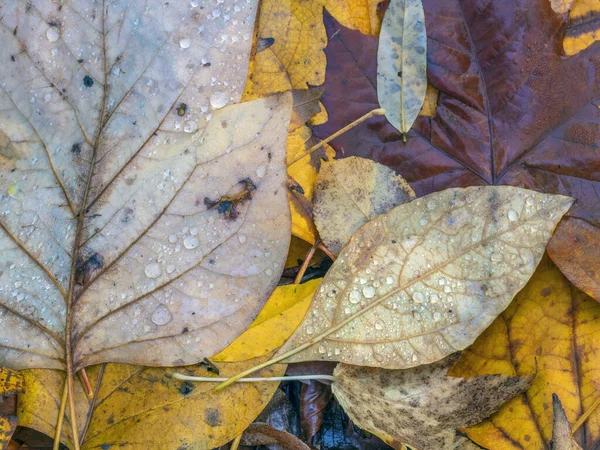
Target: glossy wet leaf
x: 143, y: 219
x: 402, y: 63
x: 426, y: 278
x: 421, y: 407
x: 512, y: 110
x: 274, y: 324
x: 550, y: 330
x: 349, y: 193
x: 141, y: 407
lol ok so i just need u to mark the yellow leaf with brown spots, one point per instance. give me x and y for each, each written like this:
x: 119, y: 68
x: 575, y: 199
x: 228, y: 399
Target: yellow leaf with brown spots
x: 144, y: 407
x: 296, y: 58
x: 278, y: 319
x: 551, y: 329
x: 11, y: 382
x: 584, y: 26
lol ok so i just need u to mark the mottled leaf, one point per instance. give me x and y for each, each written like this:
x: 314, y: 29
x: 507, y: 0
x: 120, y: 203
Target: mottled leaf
x: 426, y: 278
x: 421, y: 407
x: 141, y: 407
x: 562, y: 438
x: 264, y: 434
x: 402, y: 63
x: 584, y: 26
x: 550, y: 330
x: 512, y: 109
x: 11, y: 383
x: 349, y: 193
x: 143, y: 221
x: 306, y: 105
x: 314, y: 398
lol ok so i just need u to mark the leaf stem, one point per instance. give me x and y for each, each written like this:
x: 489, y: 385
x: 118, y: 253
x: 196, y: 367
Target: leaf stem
x: 61, y: 417
x: 375, y: 112
x: 585, y: 416
x: 181, y: 376
x: 72, y: 410
x: 86, y: 384
x: 321, y: 246
x: 235, y: 444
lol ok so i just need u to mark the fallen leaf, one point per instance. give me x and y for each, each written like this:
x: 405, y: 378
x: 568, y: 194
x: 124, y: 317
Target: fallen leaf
x: 295, y: 59
x: 583, y: 29
x: 11, y: 383
x: 314, y: 398
x: 562, y: 438
x: 136, y: 234
x: 135, y: 406
x: 421, y: 407
x: 264, y: 434
x: 402, y: 63
x: 430, y: 103
x: 278, y: 319
x: 512, y: 110
x: 306, y: 106
x: 424, y: 279
x: 551, y: 330
x: 349, y: 193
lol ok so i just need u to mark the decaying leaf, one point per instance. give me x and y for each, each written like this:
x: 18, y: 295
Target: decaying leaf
x: 421, y: 407
x: 402, y: 63
x: 562, y: 438
x: 141, y: 408
x: 11, y: 383
x: 314, y: 398
x: 306, y: 105
x: 264, y: 434
x: 352, y: 191
x: 274, y: 324
x: 145, y: 222
x: 512, y: 110
x: 552, y: 330
x: 584, y: 28
x: 426, y: 278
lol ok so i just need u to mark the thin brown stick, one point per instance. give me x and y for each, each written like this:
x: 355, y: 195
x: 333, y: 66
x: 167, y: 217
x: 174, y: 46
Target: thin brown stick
x: 585, y: 415
x: 85, y: 381
x: 61, y: 417
x: 72, y: 410
x: 375, y: 112
x: 235, y: 444
x: 305, y: 264
x: 325, y: 250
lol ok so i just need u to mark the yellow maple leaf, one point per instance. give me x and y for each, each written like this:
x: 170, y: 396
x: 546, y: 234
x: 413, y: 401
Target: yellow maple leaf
x: 550, y: 329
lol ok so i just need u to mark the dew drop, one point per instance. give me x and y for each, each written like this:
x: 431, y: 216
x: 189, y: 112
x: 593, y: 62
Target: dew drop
x: 191, y: 242
x: 347, y: 310
x: 261, y: 171
x: 153, y: 270
x: 172, y: 238
x: 379, y: 325
x: 190, y: 126
x: 419, y: 297
x: 337, y: 351
x: 423, y: 221
x: 194, y: 3
x: 512, y: 215
x: 161, y: 315
x: 242, y: 238
x: 431, y: 204
x: 48, y: 97
x: 434, y: 298
x: 170, y: 268
x: 355, y: 297
x: 309, y: 330
x: 442, y: 281
x: 437, y: 316
x: 269, y: 272
x: 389, y: 280
x: 369, y: 291
x: 218, y: 99
x: 185, y: 43
x: 52, y: 34
x: 322, y: 349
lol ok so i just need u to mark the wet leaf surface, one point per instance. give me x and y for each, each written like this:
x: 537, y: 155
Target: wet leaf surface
x: 512, y: 110
x: 424, y: 279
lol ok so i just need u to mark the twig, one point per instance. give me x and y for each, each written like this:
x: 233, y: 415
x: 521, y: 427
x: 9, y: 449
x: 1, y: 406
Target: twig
x: 305, y: 264
x: 87, y: 387
x: 326, y: 250
x: 585, y: 415
x: 181, y: 376
x: 375, y: 112
x: 61, y: 417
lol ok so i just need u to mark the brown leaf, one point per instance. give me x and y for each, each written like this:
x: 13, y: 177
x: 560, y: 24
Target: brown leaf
x: 264, y: 434
x: 349, y: 193
x: 306, y: 105
x: 314, y: 398
x: 512, y: 110
x: 562, y: 438
x: 421, y: 407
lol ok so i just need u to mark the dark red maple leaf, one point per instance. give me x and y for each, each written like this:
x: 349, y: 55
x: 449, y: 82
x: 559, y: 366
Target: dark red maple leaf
x: 512, y: 110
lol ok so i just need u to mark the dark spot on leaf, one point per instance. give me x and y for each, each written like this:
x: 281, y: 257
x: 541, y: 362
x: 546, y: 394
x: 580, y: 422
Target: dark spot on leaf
x: 546, y: 291
x: 85, y: 269
x: 105, y: 446
x: 182, y: 109
x: 208, y: 365
x: 185, y: 330
x: 227, y: 205
x: 223, y: 124
x: 76, y: 148
x: 12, y: 58
x: 88, y: 81
x: 80, y: 60
x: 212, y: 417
x: 264, y: 43
x: 186, y: 388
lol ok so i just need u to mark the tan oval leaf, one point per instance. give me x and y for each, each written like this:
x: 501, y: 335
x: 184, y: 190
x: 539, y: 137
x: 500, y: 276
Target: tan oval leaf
x: 351, y: 191
x: 421, y: 407
x: 402, y: 62
x: 426, y: 278
x: 562, y: 437
x: 145, y: 221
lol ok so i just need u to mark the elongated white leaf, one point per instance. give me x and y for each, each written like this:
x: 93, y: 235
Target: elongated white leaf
x: 402, y: 62
x: 141, y: 217
x: 426, y: 278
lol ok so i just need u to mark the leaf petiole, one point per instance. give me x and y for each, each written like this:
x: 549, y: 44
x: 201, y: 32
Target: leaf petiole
x: 181, y: 376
